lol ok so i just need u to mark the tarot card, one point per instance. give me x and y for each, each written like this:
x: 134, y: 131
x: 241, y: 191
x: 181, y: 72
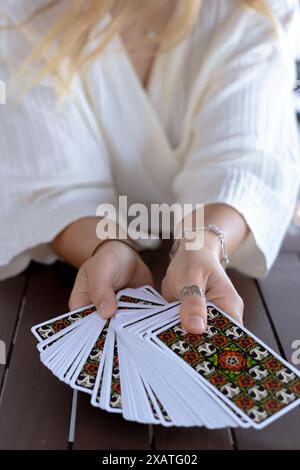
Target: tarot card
x: 84, y: 379
x: 114, y: 383
x: 140, y: 296
x: 49, y: 328
x: 62, y: 334
x: 255, y: 381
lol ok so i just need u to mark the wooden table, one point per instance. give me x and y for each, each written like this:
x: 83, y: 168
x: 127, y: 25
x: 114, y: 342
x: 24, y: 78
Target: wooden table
x: 40, y: 412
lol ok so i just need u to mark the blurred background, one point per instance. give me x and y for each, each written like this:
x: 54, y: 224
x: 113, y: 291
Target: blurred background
x: 292, y: 241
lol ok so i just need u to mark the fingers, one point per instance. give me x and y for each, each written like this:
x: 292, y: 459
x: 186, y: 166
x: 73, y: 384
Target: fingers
x: 113, y: 267
x: 79, y: 295
x: 103, y: 296
x: 230, y: 302
x: 94, y: 285
x: 100, y: 286
x: 166, y: 291
x: 193, y: 310
x: 193, y: 314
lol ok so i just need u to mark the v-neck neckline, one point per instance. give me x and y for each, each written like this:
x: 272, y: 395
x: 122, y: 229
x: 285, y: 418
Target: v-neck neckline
x: 145, y: 89
x: 147, y: 94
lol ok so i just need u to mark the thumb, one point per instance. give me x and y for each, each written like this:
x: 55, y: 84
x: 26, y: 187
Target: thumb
x: 101, y: 285
x: 79, y: 296
x: 230, y: 302
x: 104, y: 298
x: 94, y: 288
x: 193, y: 313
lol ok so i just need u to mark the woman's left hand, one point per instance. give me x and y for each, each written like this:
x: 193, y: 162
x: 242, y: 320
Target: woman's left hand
x: 201, y: 268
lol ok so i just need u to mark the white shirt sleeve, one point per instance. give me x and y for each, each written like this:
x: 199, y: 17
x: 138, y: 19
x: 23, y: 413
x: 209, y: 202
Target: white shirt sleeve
x: 54, y: 168
x: 245, y: 147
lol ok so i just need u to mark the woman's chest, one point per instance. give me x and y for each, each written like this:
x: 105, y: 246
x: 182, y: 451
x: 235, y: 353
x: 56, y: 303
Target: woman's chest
x: 142, y: 58
x: 139, y: 97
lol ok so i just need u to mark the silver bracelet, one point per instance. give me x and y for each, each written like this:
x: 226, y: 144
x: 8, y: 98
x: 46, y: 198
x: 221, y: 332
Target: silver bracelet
x: 212, y: 228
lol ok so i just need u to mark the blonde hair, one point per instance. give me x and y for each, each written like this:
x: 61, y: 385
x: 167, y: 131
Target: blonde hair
x: 77, y: 27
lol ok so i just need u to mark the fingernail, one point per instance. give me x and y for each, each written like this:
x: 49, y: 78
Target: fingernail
x: 105, y: 308
x: 197, y: 323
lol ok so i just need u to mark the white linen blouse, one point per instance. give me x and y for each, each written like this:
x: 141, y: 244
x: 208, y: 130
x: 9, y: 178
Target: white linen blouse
x: 215, y: 124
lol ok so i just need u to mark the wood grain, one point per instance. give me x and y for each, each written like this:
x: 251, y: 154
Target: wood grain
x: 281, y: 293
x: 35, y: 408
x: 98, y: 429
x: 11, y: 294
x: 284, y: 433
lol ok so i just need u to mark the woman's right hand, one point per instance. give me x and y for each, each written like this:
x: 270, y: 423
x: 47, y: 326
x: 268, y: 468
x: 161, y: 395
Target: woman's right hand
x: 112, y: 267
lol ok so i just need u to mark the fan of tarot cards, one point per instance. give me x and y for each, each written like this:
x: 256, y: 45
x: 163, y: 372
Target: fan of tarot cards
x: 143, y: 364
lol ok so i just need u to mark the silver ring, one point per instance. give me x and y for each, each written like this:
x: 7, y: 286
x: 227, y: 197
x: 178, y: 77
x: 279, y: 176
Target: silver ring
x: 191, y: 290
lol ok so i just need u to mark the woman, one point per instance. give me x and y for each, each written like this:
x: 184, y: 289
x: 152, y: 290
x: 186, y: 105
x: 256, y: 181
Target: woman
x: 207, y: 120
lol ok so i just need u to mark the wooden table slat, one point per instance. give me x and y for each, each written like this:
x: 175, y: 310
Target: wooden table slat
x: 11, y: 293
x: 284, y: 433
x: 192, y: 438
x: 35, y: 410
x: 281, y: 293
x: 97, y: 429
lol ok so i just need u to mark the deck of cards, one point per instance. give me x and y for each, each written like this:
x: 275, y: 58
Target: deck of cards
x: 143, y: 364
